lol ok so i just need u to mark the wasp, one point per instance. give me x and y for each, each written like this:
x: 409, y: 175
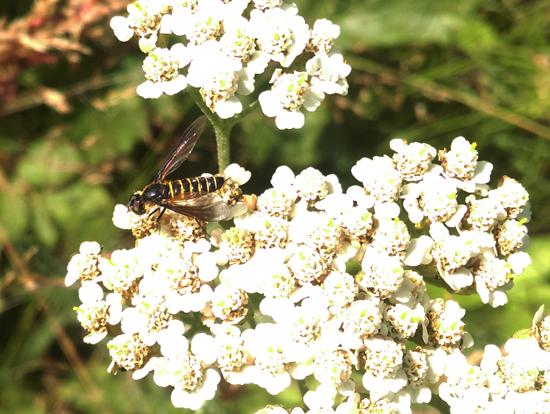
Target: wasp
x: 193, y: 197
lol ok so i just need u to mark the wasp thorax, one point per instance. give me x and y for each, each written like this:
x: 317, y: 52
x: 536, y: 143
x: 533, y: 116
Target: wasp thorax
x: 155, y: 192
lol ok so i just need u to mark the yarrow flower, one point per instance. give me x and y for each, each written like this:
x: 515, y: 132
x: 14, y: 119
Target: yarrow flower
x: 314, y: 280
x: 223, y: 46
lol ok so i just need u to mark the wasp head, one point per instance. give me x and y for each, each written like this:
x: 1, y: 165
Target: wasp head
x: 137, y: 204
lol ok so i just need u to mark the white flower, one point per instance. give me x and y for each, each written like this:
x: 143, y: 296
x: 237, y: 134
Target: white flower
x: 402, y: 320
x: 239, y: 42
x: 204, y: 24
x: 484, y: 213
x: 492, y: 276
x: 465, y: 389
x: 230, y: 352
x: 161, y: 67
x: 322, y: 36
x: 85, y: 265
x: 423, y: 368
x: 184, y: 369
x: 305, y: 326
x: 380, y: 179
x: 95, y: 312
x: 121, y: 28
x: 462, y: 166
x: 434, y: 197
x: 511, y: 236
x: 412, y: 290
x: 280, y: 33
x: 383, y: 372
x: 267, y: 344
x: 121, y: 271
x: 179, y: 19
x: 152, y: 250
x: 279, y: 200
x: 382, y: 274
x: 237, y: 173
x: 217, y: 76
x: 127, y: 351
x: 229, y: 303
x: 391, y: 236
x: 340, y: 289
x: 443, y: 325
x: 517, y: 370
x: 144, y: 20
x: 321, y: 400
x: 328, y: 73
x: 311, y: 185
x: 452, y: 254
x: 289, y: 93
x: 123, y: 218
x: 265, y: 273
x: 412, y: 160
x: 147, y: 318
x: 362, y: 319
x: 283, y: 178
x: 193, y: 400
x: 518, y: 262
x: 181, y: 280
x: 511, y: 195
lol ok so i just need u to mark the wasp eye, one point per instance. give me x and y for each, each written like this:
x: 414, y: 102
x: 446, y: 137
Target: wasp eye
x: 136, y: 204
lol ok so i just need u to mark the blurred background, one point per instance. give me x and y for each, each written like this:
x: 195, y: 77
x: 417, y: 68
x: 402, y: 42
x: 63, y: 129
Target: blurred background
x: 75, y: 139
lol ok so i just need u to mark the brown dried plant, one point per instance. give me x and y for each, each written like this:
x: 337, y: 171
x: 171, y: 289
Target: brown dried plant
x: 51, y: 30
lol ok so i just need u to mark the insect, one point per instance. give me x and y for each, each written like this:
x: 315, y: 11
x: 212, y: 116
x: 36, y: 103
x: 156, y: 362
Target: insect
x: 194, y: 197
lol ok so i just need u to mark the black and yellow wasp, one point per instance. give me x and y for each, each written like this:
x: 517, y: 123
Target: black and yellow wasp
x: 194, y: 197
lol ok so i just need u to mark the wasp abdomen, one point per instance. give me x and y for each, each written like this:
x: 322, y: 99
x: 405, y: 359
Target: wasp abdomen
x: 179, y: 188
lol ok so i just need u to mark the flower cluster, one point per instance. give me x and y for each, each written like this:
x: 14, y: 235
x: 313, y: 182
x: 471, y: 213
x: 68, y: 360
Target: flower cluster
x: 339, y: 277
x: 514, y: 381
x: 224, y: 45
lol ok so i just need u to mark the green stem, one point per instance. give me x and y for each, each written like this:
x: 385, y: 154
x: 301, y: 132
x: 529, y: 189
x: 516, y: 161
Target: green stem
x: 222, y: 129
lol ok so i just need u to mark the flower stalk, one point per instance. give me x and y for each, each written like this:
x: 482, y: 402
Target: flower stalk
x: 222, y: 130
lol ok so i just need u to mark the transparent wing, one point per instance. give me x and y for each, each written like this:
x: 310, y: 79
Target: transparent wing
x: 182, y: 149
x: 208, y: 207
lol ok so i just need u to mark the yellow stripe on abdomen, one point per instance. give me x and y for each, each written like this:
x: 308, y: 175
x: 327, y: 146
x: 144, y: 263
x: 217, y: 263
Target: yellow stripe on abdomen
x: 171, y: 189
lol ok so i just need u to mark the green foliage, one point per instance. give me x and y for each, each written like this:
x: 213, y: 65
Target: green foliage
x: 422, y: 70
x: 49, y: 163
x: 13, y: 213
x: 405, y: 23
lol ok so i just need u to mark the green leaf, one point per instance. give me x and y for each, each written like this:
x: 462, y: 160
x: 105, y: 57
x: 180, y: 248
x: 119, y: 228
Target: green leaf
x: 83, y: 211
x: 476, y: 36
x: 111, y: 132
x: 49, y: 162
x: 43, y: 225
x: 14, y: 213
x: 419, y: 22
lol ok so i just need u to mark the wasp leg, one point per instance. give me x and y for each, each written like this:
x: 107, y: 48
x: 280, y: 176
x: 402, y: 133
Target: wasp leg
x: 160, y: 215
x: 153, y: 212
x: 163, y: 209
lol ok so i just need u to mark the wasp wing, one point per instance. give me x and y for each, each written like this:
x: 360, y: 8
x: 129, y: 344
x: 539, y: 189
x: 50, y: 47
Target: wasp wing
x: 182, y: 149
x: 208, y: 207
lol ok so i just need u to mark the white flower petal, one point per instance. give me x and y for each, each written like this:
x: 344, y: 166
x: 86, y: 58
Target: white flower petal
x: 289, y: 120
x: 175, y: 85
x: 149, y: 90
x: 120, y: 27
